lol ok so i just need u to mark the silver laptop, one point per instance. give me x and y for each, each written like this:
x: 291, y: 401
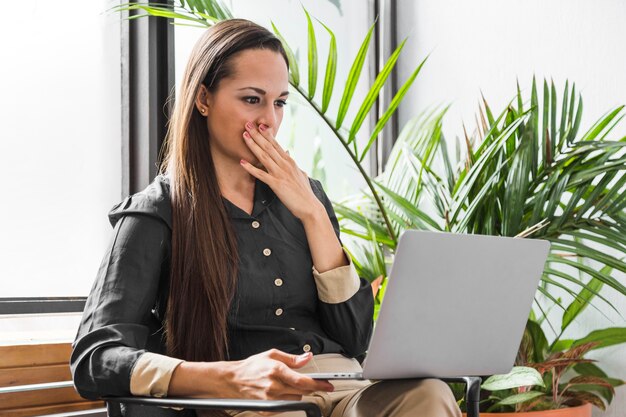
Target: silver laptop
x: 455, y: 305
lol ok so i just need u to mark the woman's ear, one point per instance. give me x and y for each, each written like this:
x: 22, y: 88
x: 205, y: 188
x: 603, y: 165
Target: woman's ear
x: 203, y: 100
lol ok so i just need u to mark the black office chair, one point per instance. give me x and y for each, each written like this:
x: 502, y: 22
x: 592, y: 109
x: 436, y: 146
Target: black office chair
x: 472, y: 397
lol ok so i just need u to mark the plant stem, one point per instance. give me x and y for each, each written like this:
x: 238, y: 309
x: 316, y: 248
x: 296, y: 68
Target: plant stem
x: 366, y: 177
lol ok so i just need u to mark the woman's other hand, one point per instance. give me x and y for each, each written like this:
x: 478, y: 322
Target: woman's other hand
x: 268, y: 375
x: 281, y: 172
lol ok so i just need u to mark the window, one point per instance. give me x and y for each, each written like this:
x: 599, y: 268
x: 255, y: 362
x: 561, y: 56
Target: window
x: 61, y: 141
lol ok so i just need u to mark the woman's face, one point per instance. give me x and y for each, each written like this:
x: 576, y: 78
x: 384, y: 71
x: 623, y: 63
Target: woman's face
x: 255, y: 92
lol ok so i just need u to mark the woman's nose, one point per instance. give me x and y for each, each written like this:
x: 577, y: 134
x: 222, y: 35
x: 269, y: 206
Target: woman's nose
x: 268, y: 118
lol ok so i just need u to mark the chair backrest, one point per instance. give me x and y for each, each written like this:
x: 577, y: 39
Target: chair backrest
x: 35, y: 380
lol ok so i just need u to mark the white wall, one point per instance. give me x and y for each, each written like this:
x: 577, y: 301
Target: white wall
x: 60, y: 139
x: 485, y: 45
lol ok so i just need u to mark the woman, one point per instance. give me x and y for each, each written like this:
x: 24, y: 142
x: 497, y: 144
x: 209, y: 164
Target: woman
x: 227, y: 274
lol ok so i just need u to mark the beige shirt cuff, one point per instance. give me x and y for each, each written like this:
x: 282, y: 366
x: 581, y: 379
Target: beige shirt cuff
x: 337, y: 285
x: 152, y: 373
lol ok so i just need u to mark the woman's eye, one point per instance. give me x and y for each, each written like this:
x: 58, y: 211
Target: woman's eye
x: 281, y: 103
x: 251, y: 100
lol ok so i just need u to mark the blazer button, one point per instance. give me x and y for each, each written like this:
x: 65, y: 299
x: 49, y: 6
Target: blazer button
x: 256, y: 224
x: 278, y: 282
x: 267, y: 252
x: 306, y: 348
x: 279, y: 311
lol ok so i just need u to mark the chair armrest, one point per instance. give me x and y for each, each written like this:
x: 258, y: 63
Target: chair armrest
x: 311, y: 410
x: 472, y: 399
x: 472, y: 393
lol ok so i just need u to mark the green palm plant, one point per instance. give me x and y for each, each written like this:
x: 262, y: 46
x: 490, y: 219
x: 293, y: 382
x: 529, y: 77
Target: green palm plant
x: 204, y: 13
x: 527, y: 172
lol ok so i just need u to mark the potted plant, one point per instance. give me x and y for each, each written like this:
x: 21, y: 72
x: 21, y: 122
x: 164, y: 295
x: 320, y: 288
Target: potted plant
x: 524, y: 173
x: 555, y: 379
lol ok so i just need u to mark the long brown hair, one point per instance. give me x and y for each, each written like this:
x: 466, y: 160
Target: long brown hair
x: 204, y: 248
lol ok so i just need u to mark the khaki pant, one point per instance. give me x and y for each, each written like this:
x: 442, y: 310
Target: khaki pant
x: 352, y: 398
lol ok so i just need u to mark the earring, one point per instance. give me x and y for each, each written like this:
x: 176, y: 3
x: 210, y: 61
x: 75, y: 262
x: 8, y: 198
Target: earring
x: 202, y: 111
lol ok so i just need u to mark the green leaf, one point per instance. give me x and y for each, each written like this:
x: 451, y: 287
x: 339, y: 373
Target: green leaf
x: 331, y: 70
x: 562, y: 345
x: 478, y: 169
x: 212, y: 7
x: 604, y: 337
x: 520, y: 102
x: 294, y: 73
x: 590, y: 369
x: 533, y: 129
x: 556, y: 301
x: 521, y: 398
x: 575, y: 281
x: 607, y: 279
x: 520, y: 376
x: 517, y: 187
x: 589, y: 174
x: 574, y: 130
x: 346, y: 212
x: 312, y: 55
x: 447, y: 163
x: 543, y: 133
x: 603, y: 236
x: 353, y: 78
x: 581, y: 302
x: 564, y: 106
x: 607, y: 233
x: 395, y: 102
x: 599, y: 126
x: 553, y: 101
x: 592, y: 198
x: 570, y: 114
x: 164, y: 12
x: 414, y: 214
x: 539, y: 341
x: 591, y: 253
x: 488, y: 112
x: 611, y: 194
x: 372, y: 95
x: 569, y: 210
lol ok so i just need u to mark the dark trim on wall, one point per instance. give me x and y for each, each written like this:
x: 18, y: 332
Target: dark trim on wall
x: 375, y: 68
x: 386, y: 43
x: 40, y: 305
x: 147, y: 80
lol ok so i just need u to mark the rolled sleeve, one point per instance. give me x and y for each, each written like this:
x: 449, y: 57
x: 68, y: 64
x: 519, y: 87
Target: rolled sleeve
x: 152, y: 374
x: 337, y: 285
x: 346, y: 304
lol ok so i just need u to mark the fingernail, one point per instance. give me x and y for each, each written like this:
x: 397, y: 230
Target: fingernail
x: 248, y: 125
x: 242, y: 162
x: 246, y: 135
x: 262, y: 127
